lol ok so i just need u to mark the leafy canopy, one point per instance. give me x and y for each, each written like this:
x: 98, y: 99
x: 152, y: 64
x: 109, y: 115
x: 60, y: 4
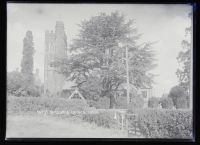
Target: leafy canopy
x: 97, y: 63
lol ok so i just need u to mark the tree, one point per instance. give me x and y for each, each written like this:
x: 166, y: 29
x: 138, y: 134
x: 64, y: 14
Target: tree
x: 184, y: 60
x: 14, y: 82
x: 153, y: 102
x: 136, y: 102
x: 179, y: 97
x: 166, y: 103
x: 27, y: 60
x: 98, y: 66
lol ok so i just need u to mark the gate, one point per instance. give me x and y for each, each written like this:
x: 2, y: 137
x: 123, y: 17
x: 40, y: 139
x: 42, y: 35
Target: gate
x: 133, y: 125
x: 129, y: 122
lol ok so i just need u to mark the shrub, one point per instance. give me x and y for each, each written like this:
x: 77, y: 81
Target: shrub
x: 166, y: 103
x: 34, y: 104
x: 33, y: 91
x: 102, y: 103
x: 121, y: 102
x: 179, y: 96
x: 165, y: 123
x: 103, y: 119
x: 153, y: 102
x: 181, y: 103
x: 136, y: 102
x: 16, y: 85
x: 14, y: 81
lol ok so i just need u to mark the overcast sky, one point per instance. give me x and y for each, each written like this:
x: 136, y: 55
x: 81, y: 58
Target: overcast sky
x: 163, y: 23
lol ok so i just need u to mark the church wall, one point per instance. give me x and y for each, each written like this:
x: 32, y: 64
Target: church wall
x: 56, y: 48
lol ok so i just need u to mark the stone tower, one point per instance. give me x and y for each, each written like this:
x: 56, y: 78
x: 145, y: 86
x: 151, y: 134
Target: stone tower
x: 55, y: 48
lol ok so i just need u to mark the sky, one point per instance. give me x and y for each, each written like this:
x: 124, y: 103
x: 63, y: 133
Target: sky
x: 164, y: 23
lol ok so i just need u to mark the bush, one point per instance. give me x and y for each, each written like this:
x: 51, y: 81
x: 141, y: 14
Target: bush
x: 34, y: 104
x: 33, y: 91
x: 179, y: 97
x: 102, y: 103
x: 181, y: 103
x: 136, y: 102
x: 154, y: 123
x: 103, y: 119
x: 153, y: 102
x: 14, y: 82
x: 16, y: 85
x: 166, y: 103
x: 121, y: 102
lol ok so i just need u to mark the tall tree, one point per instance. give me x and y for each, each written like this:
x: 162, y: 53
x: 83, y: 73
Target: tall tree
x: 98, y: 66
x: 27, y: 59
x: 184, y: 60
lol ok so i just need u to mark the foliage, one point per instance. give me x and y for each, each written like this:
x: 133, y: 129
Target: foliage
x: 33, y: 90
x: 104, y: 119
x: 22, y: 83
x: 101, y: 103
x: 136, y: 102
x: 15, y: 85
x: 166, y: 103
x: 184, y: 60
x: 91, y: 88
x: 182, y: 103
x: 98, y: 66
x: 27, y: 60
x: 165, y: 123
x: 121, y: 102
x: 179, y: 97
x: 34, y: 104
x: 153, y: 102
x: 14, y: 82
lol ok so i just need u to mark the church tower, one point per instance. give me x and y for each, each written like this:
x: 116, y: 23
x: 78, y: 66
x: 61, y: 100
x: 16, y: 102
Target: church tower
x: 55, y: 48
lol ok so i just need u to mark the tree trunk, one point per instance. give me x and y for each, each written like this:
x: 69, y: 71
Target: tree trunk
x: 112, y: 101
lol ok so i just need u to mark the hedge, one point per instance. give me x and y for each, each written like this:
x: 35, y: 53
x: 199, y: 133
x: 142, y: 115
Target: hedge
x: 34, y: 104
x: 165, y: 123
x: 102, y: 118
x: 153, y: 102
x: 166, y: 103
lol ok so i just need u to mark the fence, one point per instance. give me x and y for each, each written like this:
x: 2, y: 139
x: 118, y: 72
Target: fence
x: 128, y: 122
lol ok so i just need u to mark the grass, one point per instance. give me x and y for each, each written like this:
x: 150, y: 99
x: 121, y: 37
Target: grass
x: 37, y: 126
x: 23, y: 120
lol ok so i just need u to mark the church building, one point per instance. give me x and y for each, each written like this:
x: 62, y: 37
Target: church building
x: 55, y: 49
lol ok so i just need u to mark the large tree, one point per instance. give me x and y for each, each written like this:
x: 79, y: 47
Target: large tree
x: 27, y: 59
x: 98, y: 66
x: 184, y: 60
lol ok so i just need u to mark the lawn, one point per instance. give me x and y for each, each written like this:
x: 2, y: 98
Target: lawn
x: 38, y: 126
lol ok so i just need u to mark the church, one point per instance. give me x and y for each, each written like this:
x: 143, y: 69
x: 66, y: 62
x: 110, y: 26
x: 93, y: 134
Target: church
x: 55, y: 48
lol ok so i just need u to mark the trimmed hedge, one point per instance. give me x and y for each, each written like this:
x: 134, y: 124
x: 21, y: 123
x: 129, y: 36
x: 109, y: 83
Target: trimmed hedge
x: 166, y: 103
x: 164, y: 123
x: 34, y: 104
x: 102, y: 118
x: 102, y: 103
x: 153, y: 102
